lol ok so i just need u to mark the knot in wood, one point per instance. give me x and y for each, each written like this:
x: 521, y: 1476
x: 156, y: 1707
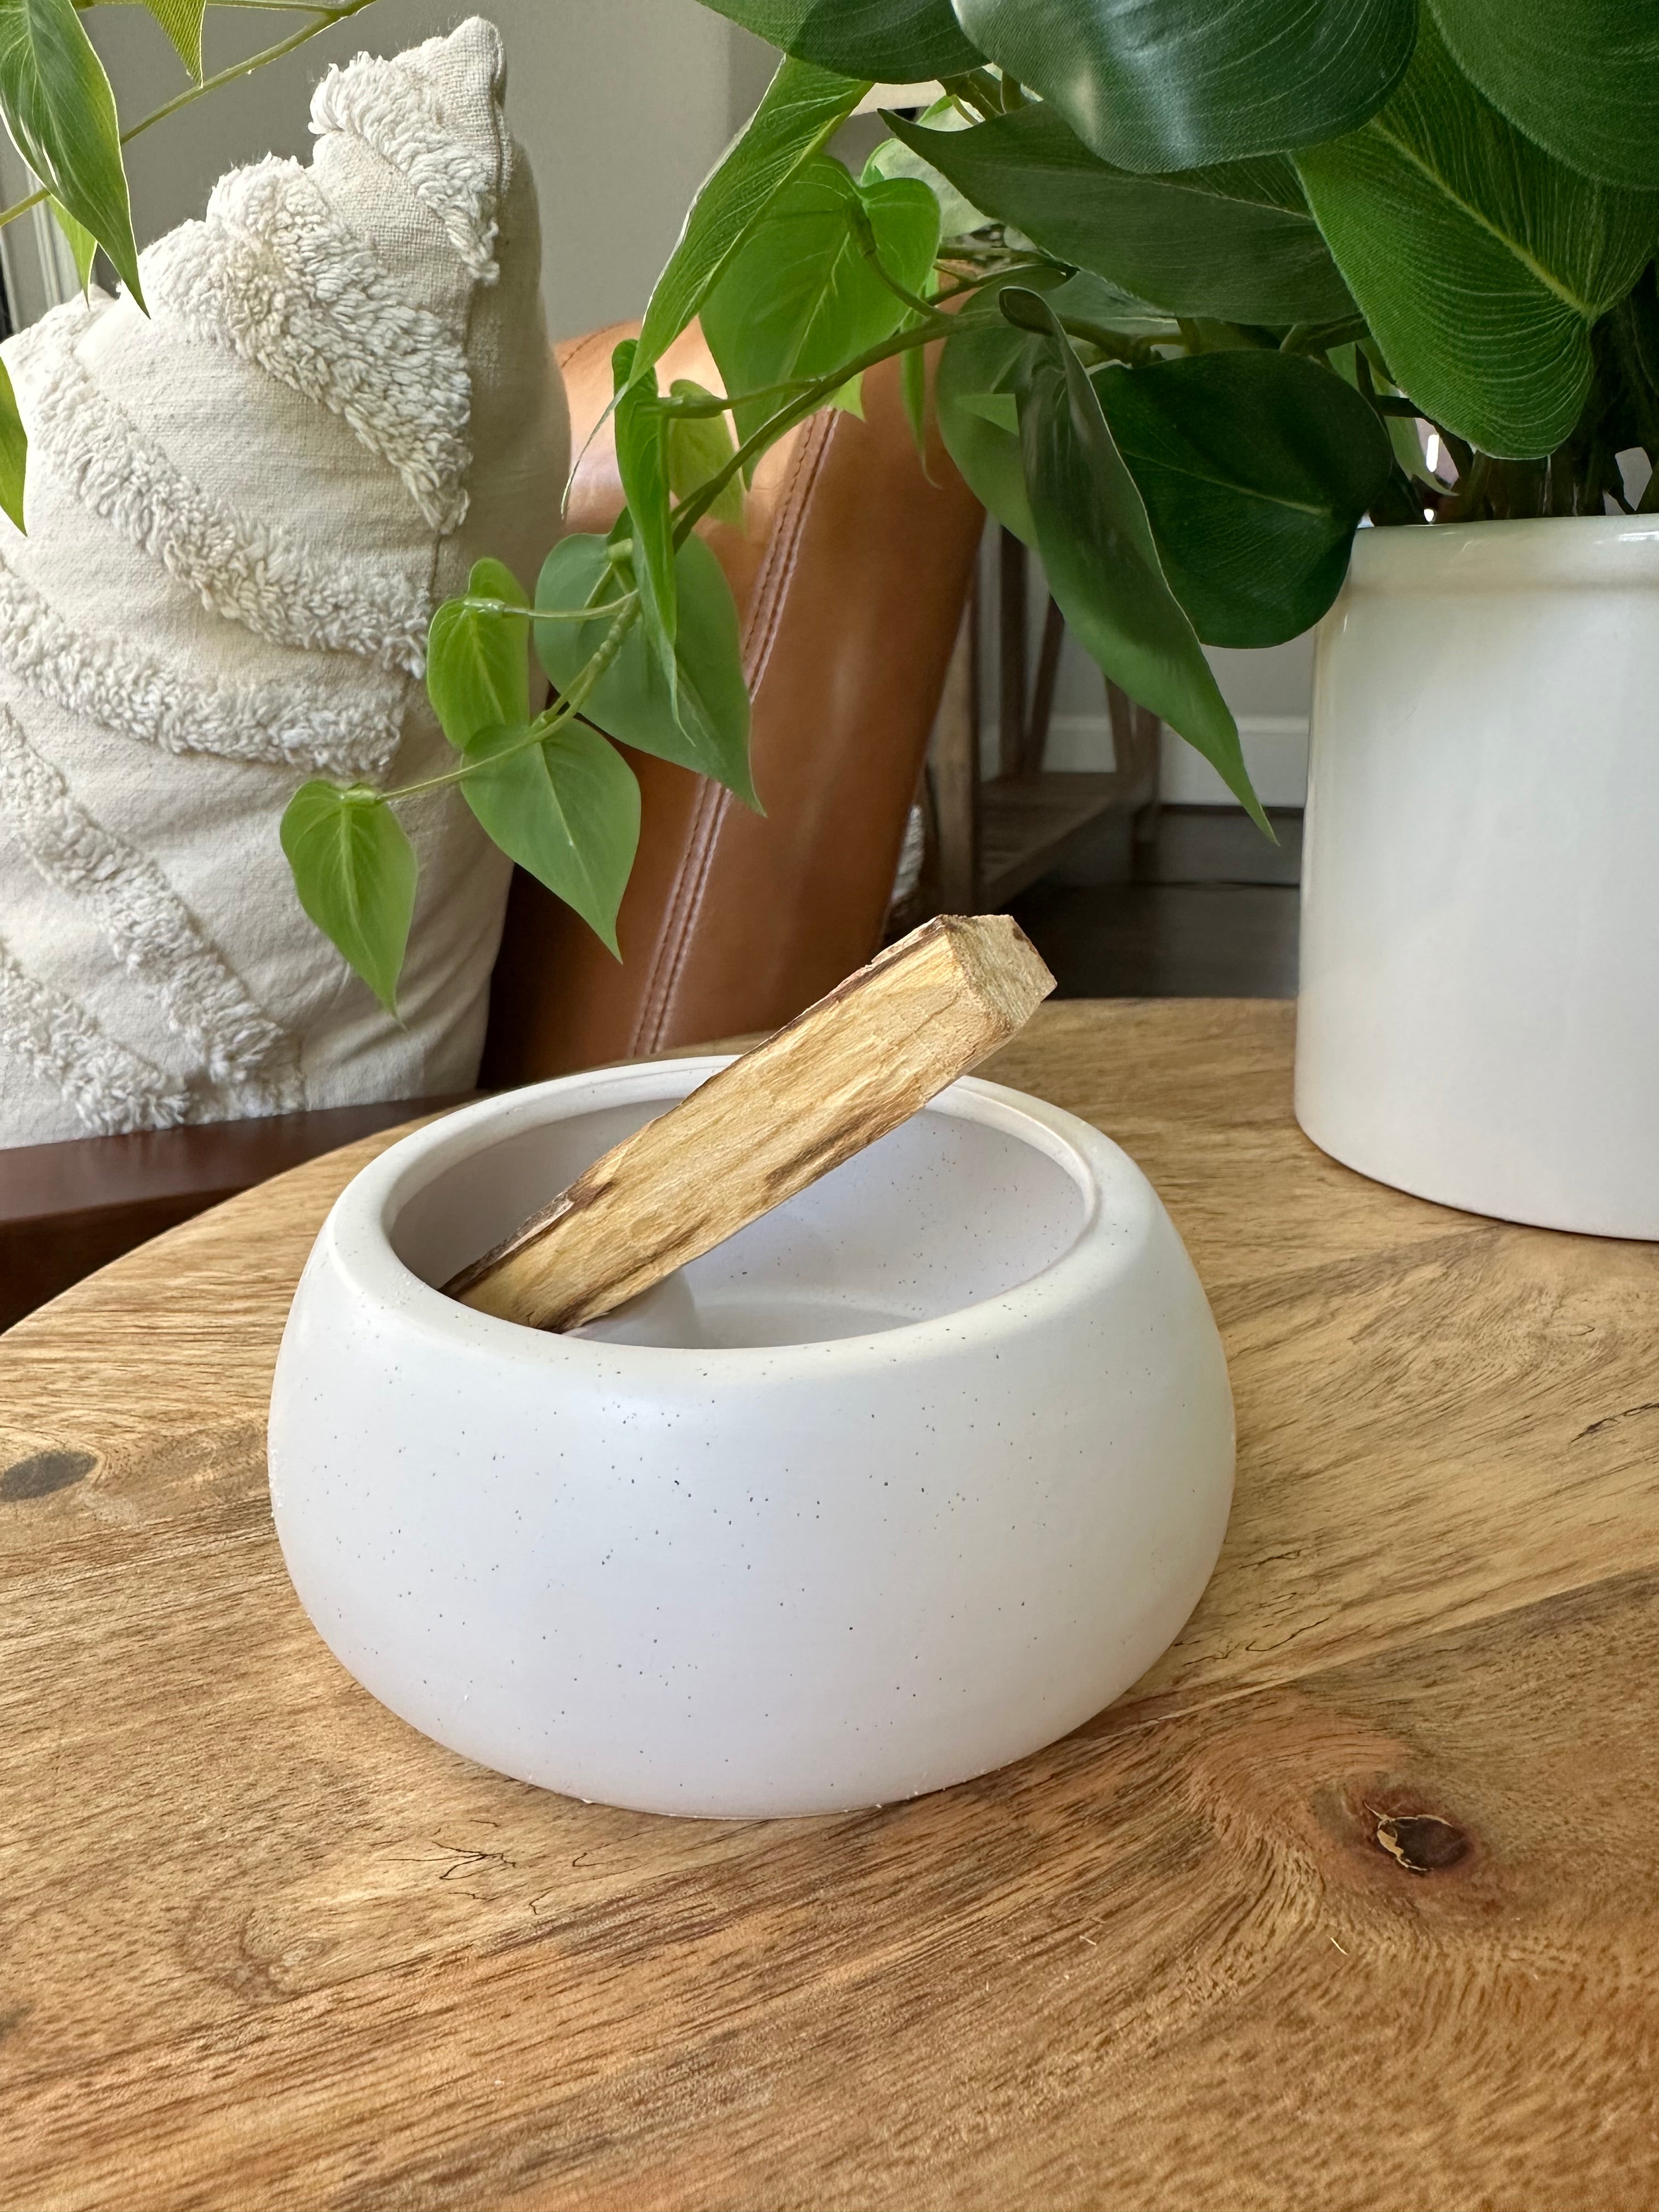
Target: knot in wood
x: 1422, y: 1843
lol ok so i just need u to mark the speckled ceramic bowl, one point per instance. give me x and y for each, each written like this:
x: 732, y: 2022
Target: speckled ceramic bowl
x: 905, y: 1481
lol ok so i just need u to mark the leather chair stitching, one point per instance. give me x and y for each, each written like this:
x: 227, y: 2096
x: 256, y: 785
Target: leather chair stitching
x: 765, y: 619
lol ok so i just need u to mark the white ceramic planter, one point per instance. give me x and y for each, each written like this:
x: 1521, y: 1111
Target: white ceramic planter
x: 1479, y: 1020
x: 902, y: 1482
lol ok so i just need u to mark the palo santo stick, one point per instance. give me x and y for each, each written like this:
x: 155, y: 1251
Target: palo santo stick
x: 828, y: 1083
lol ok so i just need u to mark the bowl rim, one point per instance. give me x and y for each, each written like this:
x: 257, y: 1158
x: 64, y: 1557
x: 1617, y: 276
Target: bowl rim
x: 356, y: 1238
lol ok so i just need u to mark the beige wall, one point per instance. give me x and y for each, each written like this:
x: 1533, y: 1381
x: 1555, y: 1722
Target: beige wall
x: 624, y: 105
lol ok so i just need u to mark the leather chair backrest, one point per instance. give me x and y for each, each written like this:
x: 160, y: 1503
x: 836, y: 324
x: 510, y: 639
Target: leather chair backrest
x: 850, y: 574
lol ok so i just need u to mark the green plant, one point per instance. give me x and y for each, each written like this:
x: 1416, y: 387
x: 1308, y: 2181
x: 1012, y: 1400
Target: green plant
x: 1204, y: 280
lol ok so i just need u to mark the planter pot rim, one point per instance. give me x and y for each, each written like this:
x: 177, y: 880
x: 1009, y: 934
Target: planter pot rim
x: 357, y: 1239
x: 1545, y: 552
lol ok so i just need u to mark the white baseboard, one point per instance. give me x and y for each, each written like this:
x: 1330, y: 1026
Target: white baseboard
x: 1275, y: 753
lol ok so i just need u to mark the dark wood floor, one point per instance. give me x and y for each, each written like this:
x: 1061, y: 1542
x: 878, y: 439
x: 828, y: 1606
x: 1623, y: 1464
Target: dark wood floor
x: 1208, y: 909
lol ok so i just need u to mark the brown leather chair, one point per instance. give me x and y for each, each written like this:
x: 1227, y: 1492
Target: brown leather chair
x: 850, y: 574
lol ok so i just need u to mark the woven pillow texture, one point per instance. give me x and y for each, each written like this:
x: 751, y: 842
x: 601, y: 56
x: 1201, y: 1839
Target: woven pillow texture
x: 242, y: 510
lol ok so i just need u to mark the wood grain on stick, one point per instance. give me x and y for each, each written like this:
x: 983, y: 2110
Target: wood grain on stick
x: 828, y: 1083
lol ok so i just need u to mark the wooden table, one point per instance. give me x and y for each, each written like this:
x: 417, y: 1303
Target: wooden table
x: 261, y: 1944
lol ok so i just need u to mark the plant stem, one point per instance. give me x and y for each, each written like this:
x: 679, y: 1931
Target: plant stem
x: 1319, y: 337
x: 973, y: 89
x: 1135, y: 353
x: 478, y: 606
x: 1005, y: 275
x: 917, y: 307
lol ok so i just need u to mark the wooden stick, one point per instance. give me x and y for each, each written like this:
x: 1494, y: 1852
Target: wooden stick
x: 828, y: 1083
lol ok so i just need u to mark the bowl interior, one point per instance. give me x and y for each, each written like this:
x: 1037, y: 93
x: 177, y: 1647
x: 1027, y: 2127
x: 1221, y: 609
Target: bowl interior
x: 947, y: 1210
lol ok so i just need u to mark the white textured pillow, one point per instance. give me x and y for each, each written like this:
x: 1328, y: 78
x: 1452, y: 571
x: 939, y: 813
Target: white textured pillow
x: 242, y: 512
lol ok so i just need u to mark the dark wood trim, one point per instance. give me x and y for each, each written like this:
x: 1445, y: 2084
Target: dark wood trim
x: 1035, y: 745
x: 1013, y: 589
x: 70, y: 1208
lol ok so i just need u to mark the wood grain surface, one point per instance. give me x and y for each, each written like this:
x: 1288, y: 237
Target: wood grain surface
x: 261, y: 1945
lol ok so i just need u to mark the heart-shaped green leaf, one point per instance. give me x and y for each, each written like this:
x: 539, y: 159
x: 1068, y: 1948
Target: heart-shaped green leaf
x: 1255, y: 469
x: 1184, y: 243
x: 801, y: 297
x: 802, y: 106
x: 355, y: 871
x: 1579, y: 76
x: 567, y: 808
x: 706, y: 727
x: 891, y: 41
x: 1479, y: 262
x: 13, y: 450
x: 1168, y: 84
x: 1102, y: 563
x: 477, y: 662
x: 60, y: 112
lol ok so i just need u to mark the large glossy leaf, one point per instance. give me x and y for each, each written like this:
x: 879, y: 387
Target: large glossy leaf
x: 1169, y: 84
x: 891, y: 41
x: 802, y: 106
x: 60, y: 112
x: 355, y: 871
x: 1265, y: 180
x: 477, y: 663
x: 1255, y: 469
x: 567, y: 808
x: 801, y: 297
x: 708, y: 729
x: 1479, y: 262
x: 1085, y: 298
x: 1102, y: 562
x: 1179, y: 242
x: 13, y: 450
x: 1580, y: 77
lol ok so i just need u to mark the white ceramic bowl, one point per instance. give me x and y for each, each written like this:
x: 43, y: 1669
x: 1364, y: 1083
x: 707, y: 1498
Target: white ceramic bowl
x: 902, y: 1482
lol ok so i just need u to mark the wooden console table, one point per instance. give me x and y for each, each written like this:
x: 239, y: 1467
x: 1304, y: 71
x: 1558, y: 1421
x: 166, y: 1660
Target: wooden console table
x: 1350, y: 1903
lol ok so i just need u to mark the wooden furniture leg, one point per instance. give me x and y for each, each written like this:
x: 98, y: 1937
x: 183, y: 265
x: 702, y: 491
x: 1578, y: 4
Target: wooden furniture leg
x: 1013, y: 593
x: 1033, y: 744
x: 953, y: 773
